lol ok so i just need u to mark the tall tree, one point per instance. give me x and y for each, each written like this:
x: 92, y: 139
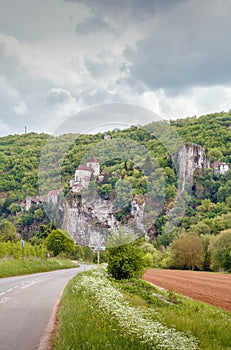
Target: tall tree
x: 59, y: 241
x: 219, y: 248
x: 187, y: 252
x: 8, y: 232
x: 125, y: 256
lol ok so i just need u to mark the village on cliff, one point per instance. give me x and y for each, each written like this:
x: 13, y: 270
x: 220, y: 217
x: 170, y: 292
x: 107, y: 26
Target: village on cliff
x: 194, y: 159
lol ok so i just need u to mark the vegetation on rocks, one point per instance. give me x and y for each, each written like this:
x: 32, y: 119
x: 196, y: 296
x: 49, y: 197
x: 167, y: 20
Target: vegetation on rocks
x: 204, y: 225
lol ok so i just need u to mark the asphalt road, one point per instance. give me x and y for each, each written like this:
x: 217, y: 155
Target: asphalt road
x: 27, y: 304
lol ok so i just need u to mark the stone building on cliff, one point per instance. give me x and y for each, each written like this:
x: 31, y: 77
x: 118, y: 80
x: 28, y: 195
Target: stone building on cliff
x: 220, y: 168
x: 84, y: 173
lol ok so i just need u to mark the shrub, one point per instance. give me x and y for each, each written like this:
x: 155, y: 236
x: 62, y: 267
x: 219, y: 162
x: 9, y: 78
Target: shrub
x: 125, y: 260
x: 59, y: 241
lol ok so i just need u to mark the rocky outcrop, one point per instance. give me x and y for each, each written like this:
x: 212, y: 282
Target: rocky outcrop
x: 188, y: 158
x: 90, y: 221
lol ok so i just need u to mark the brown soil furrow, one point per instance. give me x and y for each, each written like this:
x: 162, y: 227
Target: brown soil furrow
x: 213, y: 288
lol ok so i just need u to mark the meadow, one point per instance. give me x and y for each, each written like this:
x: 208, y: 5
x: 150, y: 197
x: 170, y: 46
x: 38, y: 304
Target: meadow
x: 97, y: 312
x: 15, y: 267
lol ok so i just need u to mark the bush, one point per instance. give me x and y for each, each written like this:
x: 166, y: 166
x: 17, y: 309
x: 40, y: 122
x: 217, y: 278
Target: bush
x: 125, y: 260
x: 219, y: 248
x: 59, y: 241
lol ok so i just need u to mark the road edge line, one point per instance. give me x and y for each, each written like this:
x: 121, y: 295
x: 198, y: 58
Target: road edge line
x: 45, y: 340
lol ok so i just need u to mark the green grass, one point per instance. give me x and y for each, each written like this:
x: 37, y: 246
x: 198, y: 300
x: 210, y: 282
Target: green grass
x: 83, y: 325
x: 14, y: 267
x: 209, y: 324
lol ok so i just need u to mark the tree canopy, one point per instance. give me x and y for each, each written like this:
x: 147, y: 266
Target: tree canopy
x: 150, y: 169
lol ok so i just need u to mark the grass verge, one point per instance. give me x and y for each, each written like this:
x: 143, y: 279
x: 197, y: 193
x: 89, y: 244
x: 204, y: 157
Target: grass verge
x: 209, y: 324
x: 13, y: 267
x: 100, y: 313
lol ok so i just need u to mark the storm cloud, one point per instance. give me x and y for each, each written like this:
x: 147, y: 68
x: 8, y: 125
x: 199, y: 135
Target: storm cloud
x: 58, y: 58
x: 189, y: 46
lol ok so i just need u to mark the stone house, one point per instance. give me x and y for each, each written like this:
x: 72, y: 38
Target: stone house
x: 94, y: 164
x: 102, y: 175
x: 84, y: 173
x: 53, y: 196
x: 220, y: 168
x: 38, y: 200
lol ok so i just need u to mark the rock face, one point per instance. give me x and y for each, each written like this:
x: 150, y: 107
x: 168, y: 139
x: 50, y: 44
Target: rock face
x: 89, y: 222
x: 189, y: 158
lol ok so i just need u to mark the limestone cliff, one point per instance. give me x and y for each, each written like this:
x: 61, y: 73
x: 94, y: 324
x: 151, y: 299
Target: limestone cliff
x: 188, y: 158
x: 90, y: 221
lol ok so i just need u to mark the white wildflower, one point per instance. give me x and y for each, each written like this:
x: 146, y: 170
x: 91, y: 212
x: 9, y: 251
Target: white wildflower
x: 133, y: 321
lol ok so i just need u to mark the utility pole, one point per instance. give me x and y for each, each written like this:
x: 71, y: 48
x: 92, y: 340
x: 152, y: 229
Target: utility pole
x: 22, y: 244
x: 25, y: 130
x: 98, y: 256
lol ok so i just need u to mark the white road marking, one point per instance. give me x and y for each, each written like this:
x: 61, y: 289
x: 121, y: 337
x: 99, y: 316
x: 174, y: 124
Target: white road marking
x: 3, y: 300
x: 22, y: 285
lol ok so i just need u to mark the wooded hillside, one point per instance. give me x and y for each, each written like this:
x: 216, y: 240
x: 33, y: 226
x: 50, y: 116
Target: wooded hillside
x: 209, y: 209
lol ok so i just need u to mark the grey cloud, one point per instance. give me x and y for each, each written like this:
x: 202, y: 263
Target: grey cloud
x: 9, y: 65
x: 185, y: 43
x: 93, y: 25
x: 97, y: 69
x: 15, y: 73
x: 57, y: 95
x: 107, y: 117
x: 17, y: 87
x: 34, y: 21
x: 94, y: 97
x: 188, y: 47
x: 131, y: 8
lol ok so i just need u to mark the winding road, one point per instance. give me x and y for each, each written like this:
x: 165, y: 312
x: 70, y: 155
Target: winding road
x: 27, y: 307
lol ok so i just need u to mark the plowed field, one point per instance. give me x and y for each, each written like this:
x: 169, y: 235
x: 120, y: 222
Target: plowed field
x: 213, y: 288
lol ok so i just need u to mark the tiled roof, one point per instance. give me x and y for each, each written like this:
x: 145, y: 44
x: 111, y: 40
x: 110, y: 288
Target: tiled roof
x: 84, y: 167
x: 93, y: 160
x: 217, y: 163
x: 54, y: 192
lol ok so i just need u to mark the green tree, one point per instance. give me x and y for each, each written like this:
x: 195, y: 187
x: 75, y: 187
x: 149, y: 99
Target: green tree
x: 125, y: 260
x: 148, y: 166
x: 14, y: 208
x: 39, y: 214
x: 77, y: 252
x: 104, y: 190
x: 207, y: 256
x: 215, y: 154
x: 148, y: 260
x: 187, y: 252
x: 219, y: 247
x: 59, y: 241
x: 123, y: 194
x: 87, y: 253
x: 152, y: 256
x: 227, y: 259
x: 8, y: 232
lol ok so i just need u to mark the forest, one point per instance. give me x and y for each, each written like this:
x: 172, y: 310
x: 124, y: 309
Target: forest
x: 202, y: 238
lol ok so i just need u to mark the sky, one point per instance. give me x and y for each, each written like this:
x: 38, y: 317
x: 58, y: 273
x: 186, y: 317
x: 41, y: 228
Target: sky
x: 61, y: 58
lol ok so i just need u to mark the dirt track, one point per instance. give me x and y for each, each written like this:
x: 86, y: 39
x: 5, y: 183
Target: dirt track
x: 213, y: 288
